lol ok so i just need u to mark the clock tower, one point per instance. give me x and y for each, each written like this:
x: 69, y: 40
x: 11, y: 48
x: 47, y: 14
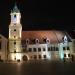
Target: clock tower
x: 15, y: 29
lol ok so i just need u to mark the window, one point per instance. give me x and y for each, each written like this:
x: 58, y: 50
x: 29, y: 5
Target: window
x: 44, y: 56
x: 57, y: 48
x: 30, y: 49
x: 47, y: 40
x: 68, y: 55
x: 14, y: 29
x: 0, y: 45
x: 24, y: 50
x: 39, y: 56
x: 14, y: 51
x: 14, y: 36
x: 14, y: 43
x: 51, y: 48
x: 43, y: 49
x: 68, y: 48
x: 39, y: 49
x: 35, y: 57
x: 64, y: 48
x: 14, y: 23
x: 64, y: 55
x: 34, y: 49
x: 48, y: 48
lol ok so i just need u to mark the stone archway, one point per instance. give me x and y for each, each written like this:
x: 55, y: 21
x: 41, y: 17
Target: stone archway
x: 24, y: 58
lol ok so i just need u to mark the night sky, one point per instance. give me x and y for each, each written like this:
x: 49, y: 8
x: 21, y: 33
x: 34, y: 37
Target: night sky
x: 38, y: 14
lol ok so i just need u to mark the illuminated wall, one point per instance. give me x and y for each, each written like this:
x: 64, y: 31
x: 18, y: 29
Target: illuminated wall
x: 15, y: 29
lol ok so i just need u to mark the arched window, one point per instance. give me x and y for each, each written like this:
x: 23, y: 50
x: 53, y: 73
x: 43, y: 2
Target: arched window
x: 65, y: 39
x: 36, y: 41
x: 47, y: 40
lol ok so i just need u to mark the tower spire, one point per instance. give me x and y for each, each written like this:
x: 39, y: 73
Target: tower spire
x: 15, y: 9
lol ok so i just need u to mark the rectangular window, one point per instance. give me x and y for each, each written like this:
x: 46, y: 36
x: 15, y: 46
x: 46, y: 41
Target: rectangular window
x: 68, y: 48
x: 39, y: 56
x: 64, y: 48
x: 51, y: 48
x: 57, y: 48
x: 39, y: 49
x: 30, y: 49
x: 14, y: 29
x: 14, y: 43
x: 48, y: 48
x: 68, y: 55
x: 43, y: 49
x: 34, y: 49
x: 64, y: 55
x: 44, y: 56
x: 35, y: 57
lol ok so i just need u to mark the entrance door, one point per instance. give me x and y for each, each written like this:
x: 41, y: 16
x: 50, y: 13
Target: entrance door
x: 24, y: 58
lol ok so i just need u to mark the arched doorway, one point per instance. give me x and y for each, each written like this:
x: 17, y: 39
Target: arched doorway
x: 24, y: 58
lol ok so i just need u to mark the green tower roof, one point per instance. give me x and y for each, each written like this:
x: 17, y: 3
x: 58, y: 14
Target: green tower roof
x: 15, y: 9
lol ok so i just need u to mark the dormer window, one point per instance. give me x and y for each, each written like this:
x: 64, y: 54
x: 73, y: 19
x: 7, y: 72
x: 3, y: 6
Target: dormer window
x: 36, y: 41
x: 65, y: 39
x: 27, y: 41
x: 47, y: 40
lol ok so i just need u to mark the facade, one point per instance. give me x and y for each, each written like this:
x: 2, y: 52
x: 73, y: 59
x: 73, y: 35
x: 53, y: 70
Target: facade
x: 35, y: 45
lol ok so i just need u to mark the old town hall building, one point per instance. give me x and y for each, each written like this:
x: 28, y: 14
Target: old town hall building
x: 34, y: 45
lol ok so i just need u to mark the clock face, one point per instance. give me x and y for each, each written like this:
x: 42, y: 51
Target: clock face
x: 14, y: 18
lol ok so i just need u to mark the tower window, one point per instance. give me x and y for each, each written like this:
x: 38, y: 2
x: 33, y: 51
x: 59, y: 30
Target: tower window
x: 14, y: 23
x: 14, y: 36
x: 64, y: 55
x: 14, y: 16
x: 14, y: 43
x: 14, y: 29
x: 14, y: 51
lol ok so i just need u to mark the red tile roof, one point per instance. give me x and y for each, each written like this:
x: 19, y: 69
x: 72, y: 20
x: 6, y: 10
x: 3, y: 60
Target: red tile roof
x: 52, y: 35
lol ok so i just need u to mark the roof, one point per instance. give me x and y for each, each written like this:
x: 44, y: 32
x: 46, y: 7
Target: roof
x: 72, y: 34
x: 15, y: 9
x: 1, y: 36
x: 54, y: 36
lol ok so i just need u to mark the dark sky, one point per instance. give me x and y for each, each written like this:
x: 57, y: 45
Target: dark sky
x: 38, y: 14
